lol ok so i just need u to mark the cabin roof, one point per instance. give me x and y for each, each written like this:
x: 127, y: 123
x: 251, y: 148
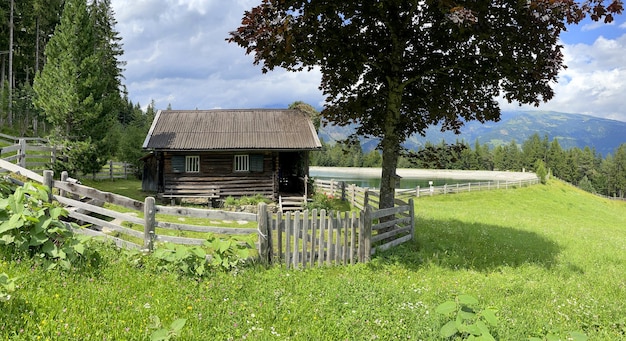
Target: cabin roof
x: 232, y: 129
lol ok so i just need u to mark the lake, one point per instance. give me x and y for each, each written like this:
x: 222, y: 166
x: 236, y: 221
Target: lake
x: 372, y: 179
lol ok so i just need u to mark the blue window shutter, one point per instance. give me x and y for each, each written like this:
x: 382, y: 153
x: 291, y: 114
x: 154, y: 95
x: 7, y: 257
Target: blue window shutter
x: 256, y: 163
x: 178, y: 163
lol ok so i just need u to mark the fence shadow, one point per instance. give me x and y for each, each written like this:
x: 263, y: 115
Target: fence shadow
x: 459, y: 245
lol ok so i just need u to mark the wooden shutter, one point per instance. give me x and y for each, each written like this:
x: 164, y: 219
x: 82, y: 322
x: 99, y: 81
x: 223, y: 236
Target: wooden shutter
x: 178, y: 163
x: 256, y: 163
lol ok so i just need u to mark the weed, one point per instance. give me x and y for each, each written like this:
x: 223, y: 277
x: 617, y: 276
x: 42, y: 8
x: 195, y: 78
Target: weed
x: 468, y: 321
x: 7, y: 286
x: 165, y: 334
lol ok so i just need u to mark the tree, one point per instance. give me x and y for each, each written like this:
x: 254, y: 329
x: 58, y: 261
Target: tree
x: 79, y: 88
x: 309, y: 110
x: 556, y: 159
x: 619, y: 164
x: 533, y: 149
x: 396, y: 67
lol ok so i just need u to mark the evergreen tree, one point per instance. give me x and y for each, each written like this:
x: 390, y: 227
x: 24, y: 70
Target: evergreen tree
x: 619, y: 166
x: 513, y: 157
x: 533, y: 149
x: 78, y: 90
x: 556, y: 159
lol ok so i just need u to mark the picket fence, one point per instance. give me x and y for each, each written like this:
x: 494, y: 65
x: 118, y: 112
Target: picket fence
x: 300, y: 239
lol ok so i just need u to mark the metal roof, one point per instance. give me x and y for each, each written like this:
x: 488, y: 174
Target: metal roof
x: 238, y: 129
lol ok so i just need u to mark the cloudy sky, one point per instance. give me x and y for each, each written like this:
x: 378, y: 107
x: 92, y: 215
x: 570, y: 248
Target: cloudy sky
x: 176, y: 54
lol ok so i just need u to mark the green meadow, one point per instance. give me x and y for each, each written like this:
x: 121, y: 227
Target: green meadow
x: 550, y: 260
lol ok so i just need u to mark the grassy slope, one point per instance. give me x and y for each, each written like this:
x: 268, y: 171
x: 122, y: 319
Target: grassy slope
x: 549, y: 258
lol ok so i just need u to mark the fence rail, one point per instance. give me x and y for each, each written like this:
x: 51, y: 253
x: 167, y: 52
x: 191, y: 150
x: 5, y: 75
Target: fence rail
x: 361, y: 197
x: 299, y: 239
x: 316, y: 238
x: 115, y: 170
x: 31, y: 153
x: 34, y: 154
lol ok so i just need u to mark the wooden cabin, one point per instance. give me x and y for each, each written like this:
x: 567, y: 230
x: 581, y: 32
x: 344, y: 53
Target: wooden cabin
x: 221, y: 153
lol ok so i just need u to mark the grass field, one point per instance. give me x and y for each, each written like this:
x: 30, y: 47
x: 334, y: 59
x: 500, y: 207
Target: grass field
x: 549, y: 258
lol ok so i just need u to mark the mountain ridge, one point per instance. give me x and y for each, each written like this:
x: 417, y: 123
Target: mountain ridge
x: 571, y: 130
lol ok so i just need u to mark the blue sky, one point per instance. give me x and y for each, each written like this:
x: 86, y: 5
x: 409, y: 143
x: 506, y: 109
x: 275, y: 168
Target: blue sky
x: 176, y: 54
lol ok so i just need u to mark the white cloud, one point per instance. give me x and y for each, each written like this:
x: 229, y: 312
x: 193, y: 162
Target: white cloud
x: 594, y: 25
x: 594, y: 82
x: 176, y: 54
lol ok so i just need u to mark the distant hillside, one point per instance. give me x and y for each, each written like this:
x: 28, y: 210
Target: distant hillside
x: 572, y: 130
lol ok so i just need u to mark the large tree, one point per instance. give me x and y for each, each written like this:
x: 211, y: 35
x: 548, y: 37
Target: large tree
x: 395, y: 67
x: 79, y: 88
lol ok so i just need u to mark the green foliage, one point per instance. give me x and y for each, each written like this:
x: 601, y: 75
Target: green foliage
x: 572, y: 336
x: 468, y: 321
x: 78, y: 89
x: 228, y: 254
x: 321, y: 201
x: 230, y: 201
x: 541, y: 171
x: 7, y: 286
x: 193, y: 261
x: 536, y: 253
x: 81, y: 157
x: 32, y: 225
x: 161, y: 333
x: 586, y: 185
x: 182, y: 259
x: 246, y: 200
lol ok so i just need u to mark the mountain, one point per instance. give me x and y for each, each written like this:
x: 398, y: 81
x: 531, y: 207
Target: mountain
x: 571, y: 130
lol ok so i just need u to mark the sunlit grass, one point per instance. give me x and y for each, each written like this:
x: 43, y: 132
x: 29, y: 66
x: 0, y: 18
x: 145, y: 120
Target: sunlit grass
x: 550, y: 259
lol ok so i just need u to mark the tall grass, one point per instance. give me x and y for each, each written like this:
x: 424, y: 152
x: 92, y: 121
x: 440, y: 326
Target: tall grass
x: 550, y: 259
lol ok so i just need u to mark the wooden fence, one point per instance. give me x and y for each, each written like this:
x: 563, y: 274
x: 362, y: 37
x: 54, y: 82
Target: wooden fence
x: 310, y: 238
x: 31, y: 153
x: 300, y: 239
x: 115, y: 170
x: 361, y: 197
x: 35, y: 154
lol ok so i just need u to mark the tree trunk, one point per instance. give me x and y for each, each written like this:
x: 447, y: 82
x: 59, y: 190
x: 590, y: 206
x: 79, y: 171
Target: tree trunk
x: 390, y: 147
x: 10, y: 113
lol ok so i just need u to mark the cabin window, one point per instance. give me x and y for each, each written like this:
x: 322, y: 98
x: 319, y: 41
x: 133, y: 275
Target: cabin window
x: 242, y: 163
x: 192, y: 164
x: 178, y: 163
x: 256, y: 163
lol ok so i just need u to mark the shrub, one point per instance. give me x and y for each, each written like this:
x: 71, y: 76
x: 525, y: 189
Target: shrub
x: 31, y: 224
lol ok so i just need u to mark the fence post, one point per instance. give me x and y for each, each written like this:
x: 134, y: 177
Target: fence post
x: 47, y: 181
x: 366, y: 197
x: 367, y: 234
x: 53, y: 155
x: 343, y: 191
x: 64, y: 177
x: 412, y: 214
x: 111, y: 169
x: 264, y: 234
x: 149, y: 211
x: 22, y: 153
x: 306, y: 187
x: 417, y: 191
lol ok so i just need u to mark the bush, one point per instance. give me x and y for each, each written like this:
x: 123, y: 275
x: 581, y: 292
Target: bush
x: 31, y: 224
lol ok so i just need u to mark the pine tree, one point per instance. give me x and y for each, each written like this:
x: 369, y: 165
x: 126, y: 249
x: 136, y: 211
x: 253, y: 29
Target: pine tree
x: 78, y: 89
